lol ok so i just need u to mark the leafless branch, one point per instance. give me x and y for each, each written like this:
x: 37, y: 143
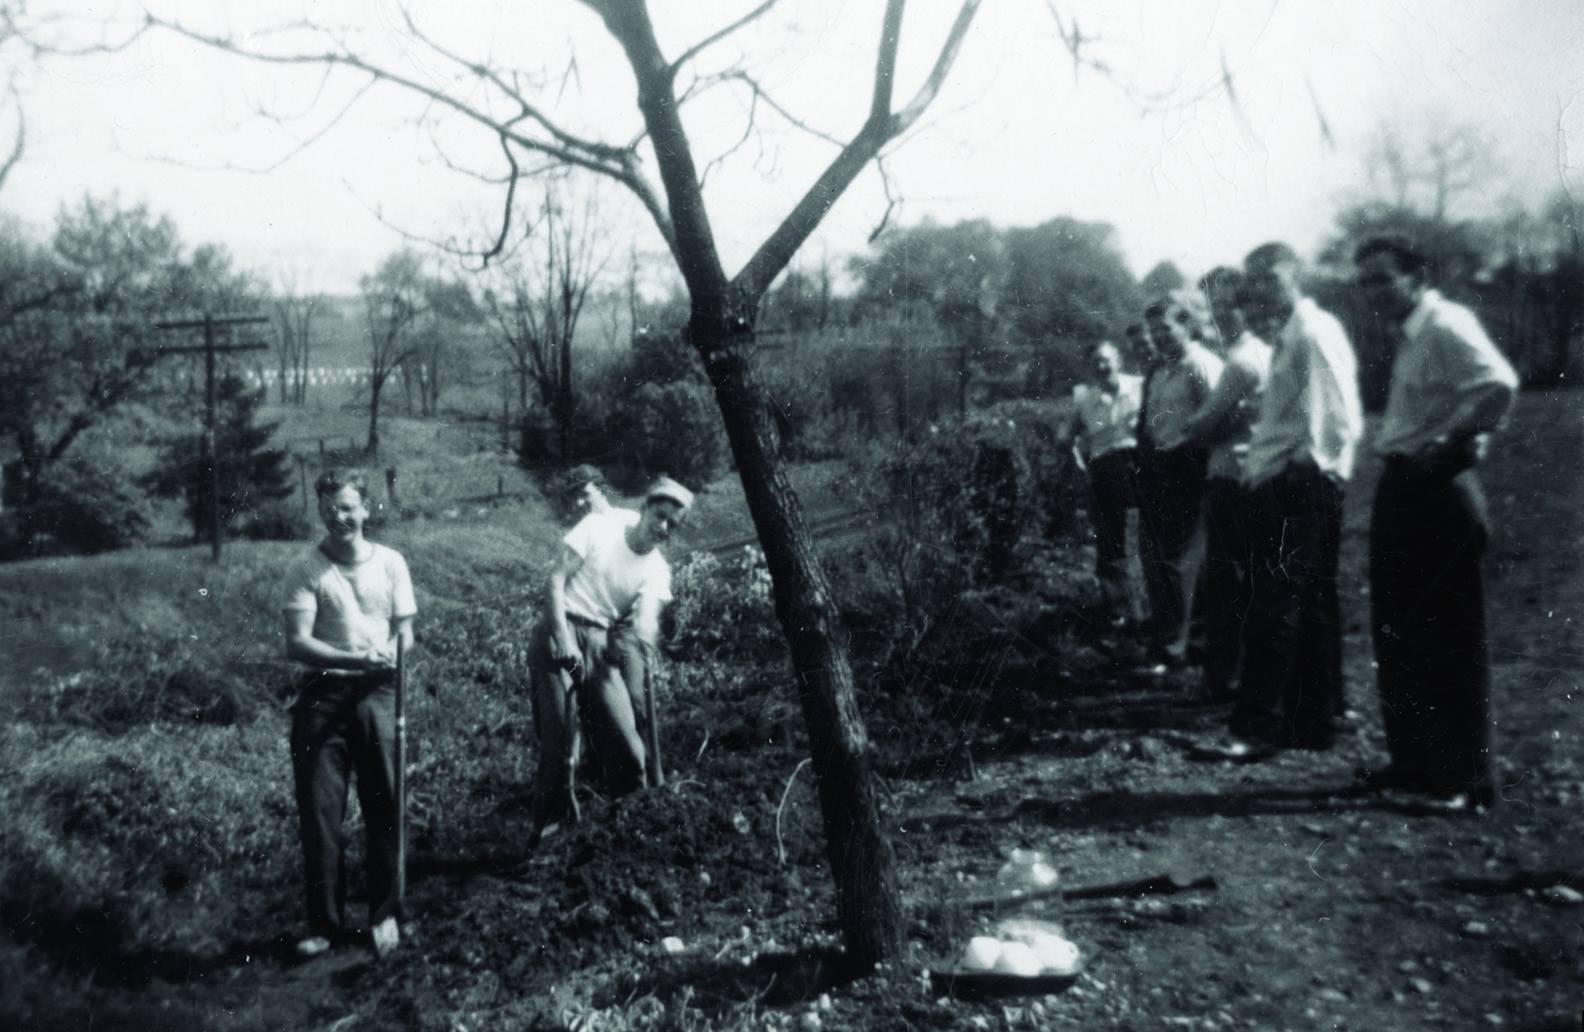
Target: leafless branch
x: 604, y: 159
x: 891, y: 201
x: 17, y: 147
x: 506, y: 213
x: 759, y: 93
x: 937, y: 77
x: 278, y: 162
x: 1081, y: 48
x: 691, y: 52
x: 594, y: 148
x: 880, y: 127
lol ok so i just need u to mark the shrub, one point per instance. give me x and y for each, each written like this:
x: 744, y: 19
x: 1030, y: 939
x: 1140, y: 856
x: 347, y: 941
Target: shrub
x: 120, y: 848
x: 277, y: 520
x: 959, y: 510
x: 800, y: 407
x: 723, y: 605
x: 671, y: 428
x: 83, y: 507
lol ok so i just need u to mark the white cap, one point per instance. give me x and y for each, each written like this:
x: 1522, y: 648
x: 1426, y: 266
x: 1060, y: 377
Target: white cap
x: 671, y: 491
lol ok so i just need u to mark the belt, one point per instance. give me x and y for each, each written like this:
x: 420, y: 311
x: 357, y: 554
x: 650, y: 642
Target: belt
x: 583, y: 621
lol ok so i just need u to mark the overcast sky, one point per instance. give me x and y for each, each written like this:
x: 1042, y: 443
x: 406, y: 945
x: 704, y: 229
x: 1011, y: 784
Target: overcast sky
x: 1018, y: 136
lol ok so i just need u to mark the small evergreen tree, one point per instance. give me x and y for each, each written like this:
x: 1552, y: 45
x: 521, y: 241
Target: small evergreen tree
x: 252, y: 475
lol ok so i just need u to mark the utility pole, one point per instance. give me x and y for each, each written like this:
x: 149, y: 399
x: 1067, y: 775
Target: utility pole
x: 209, y: 349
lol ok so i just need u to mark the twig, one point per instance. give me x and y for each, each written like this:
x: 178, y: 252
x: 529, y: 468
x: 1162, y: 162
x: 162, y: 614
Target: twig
x: 780, y: 846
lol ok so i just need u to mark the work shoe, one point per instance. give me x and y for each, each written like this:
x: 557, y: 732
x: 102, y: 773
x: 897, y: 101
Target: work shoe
x: 386, y: 936
x: 311, y: 947
x: 1238, y: 750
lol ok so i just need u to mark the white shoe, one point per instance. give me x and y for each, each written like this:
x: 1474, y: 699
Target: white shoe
x: 386, y: 936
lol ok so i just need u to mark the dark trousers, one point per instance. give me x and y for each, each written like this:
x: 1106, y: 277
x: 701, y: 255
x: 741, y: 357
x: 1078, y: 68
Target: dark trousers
x: 1111, y: 494
x: 1427, y: 616
x: 342, y: 727
x: 1172, y: 488
x: 1290, y: 690
x: 605, y: 699
x: 1226, y: 586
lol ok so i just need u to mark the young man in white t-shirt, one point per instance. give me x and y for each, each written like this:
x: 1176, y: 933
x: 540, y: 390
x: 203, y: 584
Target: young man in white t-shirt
x: 348, y: 601
x: 598, y: 635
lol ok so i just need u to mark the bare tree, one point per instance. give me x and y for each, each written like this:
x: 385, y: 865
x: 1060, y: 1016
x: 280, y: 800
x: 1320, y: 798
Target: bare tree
x: 1430, y: 170
x: 393, y: 299
x: 296, y: 307
x: 517, y: 109
x: 537, y: 318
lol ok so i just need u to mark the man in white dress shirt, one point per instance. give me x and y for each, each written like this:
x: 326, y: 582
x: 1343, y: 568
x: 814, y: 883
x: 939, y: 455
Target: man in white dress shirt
x: 1450, y: 387
x: 1299, y: 458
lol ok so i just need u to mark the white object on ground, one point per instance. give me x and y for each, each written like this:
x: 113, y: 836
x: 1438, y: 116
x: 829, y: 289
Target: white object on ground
x: 981, y: 953
x: 672, y: 945
x: 1057, y: 956
x: 1017, y: 958
x: 387, y: 936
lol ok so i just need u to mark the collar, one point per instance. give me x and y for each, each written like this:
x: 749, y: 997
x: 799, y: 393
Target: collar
x: 1302, y: 311
x: 1422, y: 312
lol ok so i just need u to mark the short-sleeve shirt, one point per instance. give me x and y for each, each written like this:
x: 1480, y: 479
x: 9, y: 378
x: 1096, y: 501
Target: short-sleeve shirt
x: 613, y: 577
x: 354, y: 604
x: 1109, y: 420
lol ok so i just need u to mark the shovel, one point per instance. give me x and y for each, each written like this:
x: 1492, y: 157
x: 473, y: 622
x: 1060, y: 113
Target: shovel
x: 1154, y: 885
x: 401, y: 773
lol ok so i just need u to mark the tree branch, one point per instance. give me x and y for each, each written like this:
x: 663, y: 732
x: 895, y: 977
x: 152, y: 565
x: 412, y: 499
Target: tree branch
x: 17, y: 147
x: 691, y: 52
x: 881, y: 126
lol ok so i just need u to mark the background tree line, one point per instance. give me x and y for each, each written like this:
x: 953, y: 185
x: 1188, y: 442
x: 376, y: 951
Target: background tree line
x: 937, y: 321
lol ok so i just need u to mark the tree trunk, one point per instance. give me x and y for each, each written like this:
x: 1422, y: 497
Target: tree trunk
x: 375, y: 385
x: 869, y: 907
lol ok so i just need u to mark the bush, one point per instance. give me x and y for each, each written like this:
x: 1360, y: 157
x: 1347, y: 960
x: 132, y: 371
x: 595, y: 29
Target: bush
x: 276, y: 520
x: 123, y: 848
x: 671, y: 428
x: 723, y: 606
x: 83, y: 508
x: 959, y: 510
x: 800, y: 407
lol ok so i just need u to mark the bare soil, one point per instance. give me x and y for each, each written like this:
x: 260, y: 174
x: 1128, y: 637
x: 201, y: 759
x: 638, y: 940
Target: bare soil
x: 1329, y: 912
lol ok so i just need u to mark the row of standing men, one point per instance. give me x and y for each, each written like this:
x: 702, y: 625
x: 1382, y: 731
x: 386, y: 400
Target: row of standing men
x: 1246, y: 422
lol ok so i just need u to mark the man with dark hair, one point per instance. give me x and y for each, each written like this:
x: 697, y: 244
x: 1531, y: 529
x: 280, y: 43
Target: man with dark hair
x: 1300, y: 454
x: 1105, y: 441
x: 580, y: 491
x: 596, y: 642
x: 1450, y: 387
x: 348, y: 601
x: 1224, y: 425
x: 1188, y: 373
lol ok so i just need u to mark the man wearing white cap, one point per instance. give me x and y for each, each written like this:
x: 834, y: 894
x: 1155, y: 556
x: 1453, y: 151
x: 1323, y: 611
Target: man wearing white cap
x: 598, y: 637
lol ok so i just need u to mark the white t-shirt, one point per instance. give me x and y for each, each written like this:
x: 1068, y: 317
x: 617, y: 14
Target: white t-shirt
x: 354, y: 604
x: 613, y: 576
